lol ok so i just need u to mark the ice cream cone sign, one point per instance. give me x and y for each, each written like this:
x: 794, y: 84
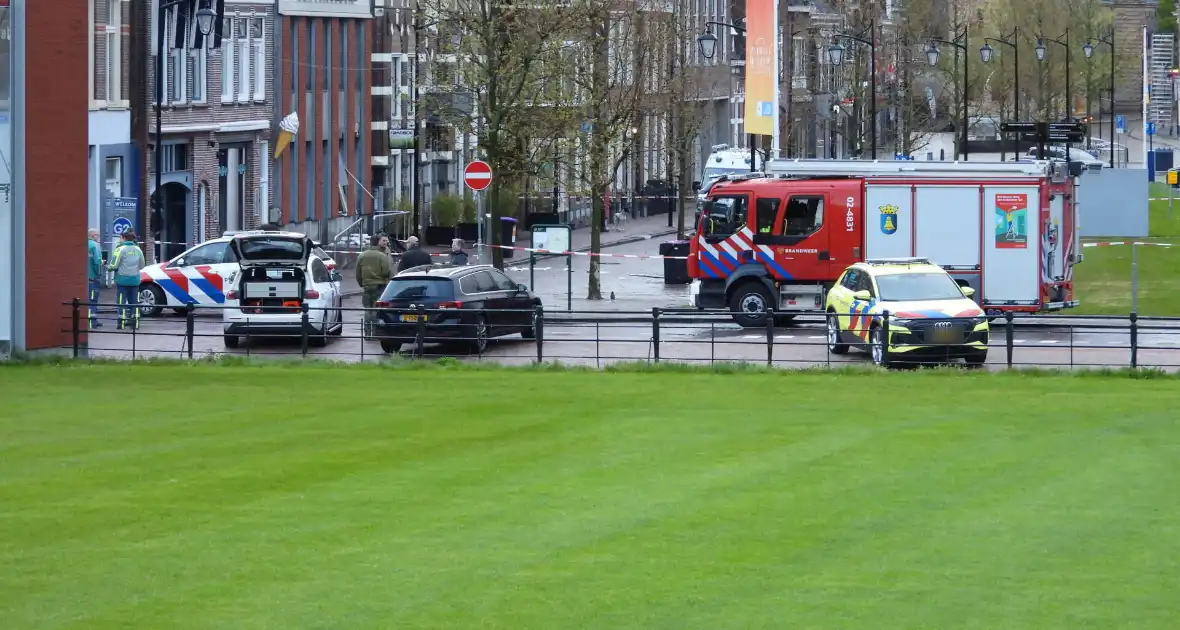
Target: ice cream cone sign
x: 288, y: 127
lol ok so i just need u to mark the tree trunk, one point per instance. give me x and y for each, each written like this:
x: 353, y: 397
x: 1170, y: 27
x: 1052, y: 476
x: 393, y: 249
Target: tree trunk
x: 599, y: 83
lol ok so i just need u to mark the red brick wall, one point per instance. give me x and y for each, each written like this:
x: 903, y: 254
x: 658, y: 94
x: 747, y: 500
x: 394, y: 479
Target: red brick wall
x: 56, y: 105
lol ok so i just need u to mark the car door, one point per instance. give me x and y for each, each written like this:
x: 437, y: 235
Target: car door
x: 840, y: 298
x: 492, y: 298
x: 198, y: 276
x: 798, y: 236
x: 518, y: 303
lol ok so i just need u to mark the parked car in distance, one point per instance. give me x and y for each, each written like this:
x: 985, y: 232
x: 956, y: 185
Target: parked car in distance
x: 470, y: 304
x: 280, y: 273
x: 1075, y: 155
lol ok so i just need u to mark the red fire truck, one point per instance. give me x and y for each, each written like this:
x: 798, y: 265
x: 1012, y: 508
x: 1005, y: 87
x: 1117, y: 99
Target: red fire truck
x: 779, y: 241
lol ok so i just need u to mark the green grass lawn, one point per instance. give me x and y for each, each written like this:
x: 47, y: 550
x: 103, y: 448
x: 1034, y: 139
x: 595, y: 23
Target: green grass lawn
x: 1103, y: 280
x: 329, y: 497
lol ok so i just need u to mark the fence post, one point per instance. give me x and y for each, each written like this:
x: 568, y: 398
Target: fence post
x: 1134, y: 340
x: 539, y: 329
x: 190, y: 324
x: 655, y: 333
x: 885, y: 338
x: 1009, y: 335
x: 770, y: 338
x: 303, y: 332
x: 75, y: 323
x: 420, y: 332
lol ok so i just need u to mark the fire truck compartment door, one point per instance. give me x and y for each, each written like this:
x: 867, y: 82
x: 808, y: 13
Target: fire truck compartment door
x: 947, y: 223
x: 889, y: 227
x: 1012, y: 262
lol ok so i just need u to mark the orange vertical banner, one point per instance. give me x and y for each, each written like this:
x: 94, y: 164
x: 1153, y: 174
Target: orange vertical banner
x: 761, y: 66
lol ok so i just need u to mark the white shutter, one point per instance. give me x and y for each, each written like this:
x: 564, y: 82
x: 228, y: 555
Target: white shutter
x: 242, y: 40
x: 227, y: 61
x: 259, y: 44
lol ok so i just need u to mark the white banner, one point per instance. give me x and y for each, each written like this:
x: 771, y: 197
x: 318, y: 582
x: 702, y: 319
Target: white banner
x: 327, y: 8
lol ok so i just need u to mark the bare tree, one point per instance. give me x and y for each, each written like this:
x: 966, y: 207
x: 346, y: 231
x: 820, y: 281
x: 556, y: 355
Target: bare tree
x: 500, y: 57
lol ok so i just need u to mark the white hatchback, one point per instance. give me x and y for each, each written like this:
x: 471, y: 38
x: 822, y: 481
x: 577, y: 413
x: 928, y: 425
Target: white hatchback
x: 281, y: 276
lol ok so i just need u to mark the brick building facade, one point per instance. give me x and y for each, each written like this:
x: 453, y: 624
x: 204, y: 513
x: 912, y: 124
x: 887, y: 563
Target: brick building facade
x: 216, y: 124
x: 43, y: 122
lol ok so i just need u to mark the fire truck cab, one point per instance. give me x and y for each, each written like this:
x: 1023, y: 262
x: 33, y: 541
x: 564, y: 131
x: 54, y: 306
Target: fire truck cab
x: 1007, y: 230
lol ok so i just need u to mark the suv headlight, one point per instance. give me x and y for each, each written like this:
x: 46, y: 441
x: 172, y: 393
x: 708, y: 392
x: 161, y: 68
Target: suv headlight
x: 896, y: 321
x: 975, y: 321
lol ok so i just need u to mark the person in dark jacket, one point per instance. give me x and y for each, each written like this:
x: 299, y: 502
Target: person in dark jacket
x: 458, y: 256
x: 414, y: 256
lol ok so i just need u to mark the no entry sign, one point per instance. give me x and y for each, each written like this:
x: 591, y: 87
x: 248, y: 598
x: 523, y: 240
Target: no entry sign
x: 477, y: 175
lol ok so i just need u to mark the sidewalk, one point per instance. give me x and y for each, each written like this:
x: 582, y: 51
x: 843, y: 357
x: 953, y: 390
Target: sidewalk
x: 635, y: 230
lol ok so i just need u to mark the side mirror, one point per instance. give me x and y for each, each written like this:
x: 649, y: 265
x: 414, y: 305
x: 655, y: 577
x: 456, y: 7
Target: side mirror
x: 696, y: 187
x: 862, y: 296
x: 336, y: 276
x: 179, y: 262
x: 967, y: 291
x: 522, y: 288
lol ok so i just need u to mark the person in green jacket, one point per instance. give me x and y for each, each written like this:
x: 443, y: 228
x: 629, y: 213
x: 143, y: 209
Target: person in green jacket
x: 127, y: 261
x: 94, y: 273
x: 374, y: 268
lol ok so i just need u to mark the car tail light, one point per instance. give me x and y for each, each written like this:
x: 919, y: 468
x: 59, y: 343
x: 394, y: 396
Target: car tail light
x: 382, y: 304
x: 232, y: 295
x: 331, y: 266
x: 311, y: 294
x: 442, y: 305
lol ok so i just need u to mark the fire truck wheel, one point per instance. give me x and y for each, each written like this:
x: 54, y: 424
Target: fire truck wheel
x: 749, y: 303
x: 834, y: 345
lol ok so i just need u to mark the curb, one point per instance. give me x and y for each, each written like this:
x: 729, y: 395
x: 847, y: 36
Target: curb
x: 623, y: 241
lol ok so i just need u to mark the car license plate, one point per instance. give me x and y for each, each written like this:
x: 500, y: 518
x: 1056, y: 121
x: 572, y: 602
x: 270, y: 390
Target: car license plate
x: 946, y: 336
x: 409, y: 318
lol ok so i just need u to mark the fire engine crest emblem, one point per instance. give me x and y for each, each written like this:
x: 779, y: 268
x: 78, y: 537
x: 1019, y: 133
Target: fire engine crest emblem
x: 888, y: 219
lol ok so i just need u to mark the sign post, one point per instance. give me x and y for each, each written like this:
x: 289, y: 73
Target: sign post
x: 477, y: 175
x: 553, y: 238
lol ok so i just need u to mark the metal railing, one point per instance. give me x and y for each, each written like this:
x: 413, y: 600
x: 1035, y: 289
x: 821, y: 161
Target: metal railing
x: 658, y: 336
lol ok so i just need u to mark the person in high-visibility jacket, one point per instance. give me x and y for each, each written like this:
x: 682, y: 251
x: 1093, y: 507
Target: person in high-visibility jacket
x: 127, y: 261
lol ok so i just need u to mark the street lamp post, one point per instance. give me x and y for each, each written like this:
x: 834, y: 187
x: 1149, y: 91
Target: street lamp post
x: 707, y: 43
x: 932, y: 55
x: 836, y: 56
x: 205, y: 17
x: 1088, y: 49
x: 986, y: 53
x: 1062, y: 41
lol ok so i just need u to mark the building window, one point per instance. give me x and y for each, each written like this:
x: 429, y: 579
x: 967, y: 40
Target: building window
x: 198, y: 66
x: 243, y: 60
x: 175, y: 158
x: 113, y: 176
x: 108, y: 51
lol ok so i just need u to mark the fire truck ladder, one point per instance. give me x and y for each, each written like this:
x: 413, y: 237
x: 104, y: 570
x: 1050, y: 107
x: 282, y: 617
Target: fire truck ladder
x: 908, y: 168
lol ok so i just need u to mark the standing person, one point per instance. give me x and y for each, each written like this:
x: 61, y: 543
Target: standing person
x: 374, y: 268
x: 458, y: 256
x: 127, y: 261
x: 414, y: 256
x: 94, y: 273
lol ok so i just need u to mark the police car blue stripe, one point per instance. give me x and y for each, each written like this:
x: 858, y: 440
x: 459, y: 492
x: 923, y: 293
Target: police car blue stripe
x: 207, y: 288
x: 173, y: 289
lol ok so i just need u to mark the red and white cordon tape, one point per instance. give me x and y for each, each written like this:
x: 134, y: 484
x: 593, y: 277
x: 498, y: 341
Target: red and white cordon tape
x: 598, y: 255
x: 1112, y: 243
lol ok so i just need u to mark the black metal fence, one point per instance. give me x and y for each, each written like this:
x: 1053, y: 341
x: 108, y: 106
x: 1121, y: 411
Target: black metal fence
x: 661, y: 335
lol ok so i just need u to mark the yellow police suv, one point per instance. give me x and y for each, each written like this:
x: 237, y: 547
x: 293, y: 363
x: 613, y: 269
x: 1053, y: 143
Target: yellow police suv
x: 931, y: 317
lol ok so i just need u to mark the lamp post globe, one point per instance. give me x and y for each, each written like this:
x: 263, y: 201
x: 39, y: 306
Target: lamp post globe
x: 986, y: 52
x: 836, y: 54
x: 707, y: 42
x: 205, y: 17
x: 932, y: 54
x: 1088, y: 49
x: 1040, y: 50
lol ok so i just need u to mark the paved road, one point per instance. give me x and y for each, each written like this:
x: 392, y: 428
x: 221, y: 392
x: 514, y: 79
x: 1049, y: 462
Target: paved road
x: 799, y: 345
x: 638, y: 286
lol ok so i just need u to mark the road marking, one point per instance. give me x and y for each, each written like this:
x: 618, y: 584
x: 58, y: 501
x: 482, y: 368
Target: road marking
x: 817, y: 337
x: 1114, y: 343
x: 751, y: 336
x: 784, y: 336
x: 1015, y: 341
x: 1048, y: 341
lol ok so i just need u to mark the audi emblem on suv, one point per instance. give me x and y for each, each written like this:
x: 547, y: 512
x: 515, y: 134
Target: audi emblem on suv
x: 943, y: 325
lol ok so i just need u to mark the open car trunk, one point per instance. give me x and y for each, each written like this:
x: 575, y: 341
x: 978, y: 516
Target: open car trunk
x: 274, y: 271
